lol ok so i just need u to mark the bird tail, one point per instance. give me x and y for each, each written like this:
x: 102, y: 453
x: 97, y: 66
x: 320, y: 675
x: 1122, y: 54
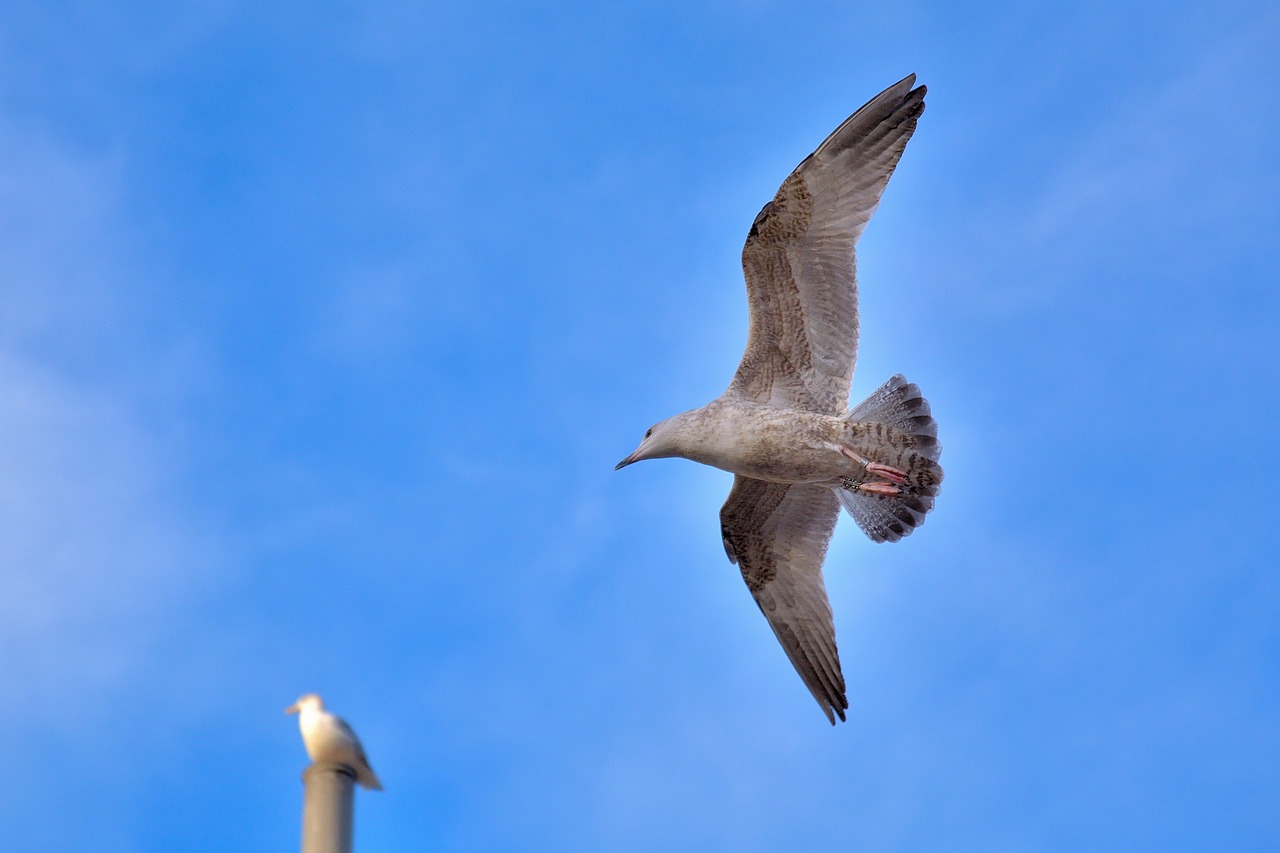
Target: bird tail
x: 894, y: 431
x: 367, y: 778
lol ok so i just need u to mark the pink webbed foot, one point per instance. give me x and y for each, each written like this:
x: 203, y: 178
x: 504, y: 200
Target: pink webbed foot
x: 892, y: 474
x: 888, y: 490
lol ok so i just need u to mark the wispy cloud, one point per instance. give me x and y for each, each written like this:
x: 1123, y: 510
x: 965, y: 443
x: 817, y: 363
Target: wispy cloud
x: 95, y: 556
x: 1163, y: 169
x: 1180, y: 147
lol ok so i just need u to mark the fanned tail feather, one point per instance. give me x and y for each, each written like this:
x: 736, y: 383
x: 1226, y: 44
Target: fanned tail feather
x: 894, y: 427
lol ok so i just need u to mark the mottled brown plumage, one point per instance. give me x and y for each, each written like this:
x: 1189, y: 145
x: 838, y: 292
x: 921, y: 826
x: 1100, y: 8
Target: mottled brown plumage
x: 782, y: 426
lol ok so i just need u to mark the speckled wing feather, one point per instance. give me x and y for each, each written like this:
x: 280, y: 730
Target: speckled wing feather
x: 777, y: 534
x: 799, y: 259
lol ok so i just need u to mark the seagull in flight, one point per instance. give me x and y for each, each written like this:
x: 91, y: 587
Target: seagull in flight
x: 783, y: 426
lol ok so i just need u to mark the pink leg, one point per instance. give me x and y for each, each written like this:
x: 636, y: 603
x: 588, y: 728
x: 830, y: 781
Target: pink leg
x: 888, y: 490
x: 849, y: 454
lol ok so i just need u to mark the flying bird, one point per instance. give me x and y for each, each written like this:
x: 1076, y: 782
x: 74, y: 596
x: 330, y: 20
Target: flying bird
x: 783, y: 426
x: 328, y: 738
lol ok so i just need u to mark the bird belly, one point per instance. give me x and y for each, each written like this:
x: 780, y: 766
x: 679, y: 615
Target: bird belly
x: 787, y: 465
x: 782, y: 447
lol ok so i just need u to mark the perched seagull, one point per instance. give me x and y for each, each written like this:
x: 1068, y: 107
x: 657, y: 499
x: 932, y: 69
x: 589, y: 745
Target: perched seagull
x: 328, y: 738
x: 783, y: 427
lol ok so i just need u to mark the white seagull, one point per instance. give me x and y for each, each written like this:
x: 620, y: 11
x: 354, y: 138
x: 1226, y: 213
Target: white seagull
x: 783, y: 427
x: 328, y: 738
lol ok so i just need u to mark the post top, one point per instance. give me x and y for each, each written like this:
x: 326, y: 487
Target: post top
x: 322, y: 767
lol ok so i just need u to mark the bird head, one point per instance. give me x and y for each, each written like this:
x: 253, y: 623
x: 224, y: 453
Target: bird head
x: 663, y: 439
x: 310, y: 700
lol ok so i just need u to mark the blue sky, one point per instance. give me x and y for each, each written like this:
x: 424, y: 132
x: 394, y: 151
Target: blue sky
x: 323, y: 326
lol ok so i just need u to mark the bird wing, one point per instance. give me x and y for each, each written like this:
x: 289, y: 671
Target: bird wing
x: 364, y: 773
x: 799, y: 259
x: 777, y: 534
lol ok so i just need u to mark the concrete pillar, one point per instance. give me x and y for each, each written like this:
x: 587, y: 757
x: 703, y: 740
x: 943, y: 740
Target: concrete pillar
x: 328, y: 805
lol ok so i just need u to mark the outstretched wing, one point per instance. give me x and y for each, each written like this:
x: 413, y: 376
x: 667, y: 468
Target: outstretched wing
x: 799, y: 259
x: 778, y: 534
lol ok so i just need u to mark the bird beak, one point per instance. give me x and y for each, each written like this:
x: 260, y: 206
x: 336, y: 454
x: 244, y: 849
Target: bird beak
x: 292, y: 709
x: 625, y: 462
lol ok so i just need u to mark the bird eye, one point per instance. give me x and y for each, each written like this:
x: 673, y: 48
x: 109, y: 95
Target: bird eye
x: 648, y: 432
